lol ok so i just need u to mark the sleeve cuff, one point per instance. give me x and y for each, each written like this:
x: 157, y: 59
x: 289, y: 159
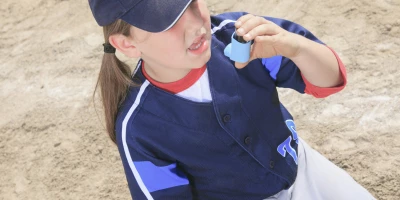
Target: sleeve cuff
x: 320, y: 92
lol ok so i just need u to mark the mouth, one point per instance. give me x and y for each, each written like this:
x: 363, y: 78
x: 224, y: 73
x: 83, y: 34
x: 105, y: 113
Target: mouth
x: 197, y: 43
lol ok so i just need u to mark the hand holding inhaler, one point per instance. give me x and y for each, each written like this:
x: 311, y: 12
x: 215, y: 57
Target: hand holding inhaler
x: 239, y: 49
x: 269, y: 40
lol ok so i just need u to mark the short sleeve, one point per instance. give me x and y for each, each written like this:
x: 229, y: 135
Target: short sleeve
x: 285, y: 72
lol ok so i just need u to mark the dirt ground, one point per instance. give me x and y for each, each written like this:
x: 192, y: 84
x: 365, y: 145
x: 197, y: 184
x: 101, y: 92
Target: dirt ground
x: 53, y: 144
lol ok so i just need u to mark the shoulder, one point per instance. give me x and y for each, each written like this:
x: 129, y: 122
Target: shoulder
x: 227, y: 16
x: 228, y: 19
x: 130, y: 107
x: 225, y: 21
x: 223, y: 25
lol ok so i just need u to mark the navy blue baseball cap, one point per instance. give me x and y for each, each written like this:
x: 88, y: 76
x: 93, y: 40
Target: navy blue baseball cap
x: 149, y: 15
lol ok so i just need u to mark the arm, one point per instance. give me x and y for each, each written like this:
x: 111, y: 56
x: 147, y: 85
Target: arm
x: 321, y: 92
x: 317, y: 63
x: 294, y: 56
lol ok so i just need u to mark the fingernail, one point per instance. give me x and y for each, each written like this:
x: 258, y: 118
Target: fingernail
x: 247, y: 36
x: 240, y: 30
x: 238, y: 23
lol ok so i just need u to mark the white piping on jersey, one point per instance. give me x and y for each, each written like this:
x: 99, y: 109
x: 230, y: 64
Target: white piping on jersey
x: 223, y: 23
x: 173, y: 23
x: 126, y: 149
x: 137, y: 67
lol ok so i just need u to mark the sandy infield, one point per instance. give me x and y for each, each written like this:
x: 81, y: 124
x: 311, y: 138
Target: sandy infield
x: 53, y: 144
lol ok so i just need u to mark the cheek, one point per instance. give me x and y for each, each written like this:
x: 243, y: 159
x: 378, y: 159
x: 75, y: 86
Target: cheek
x: 175, y: 32
x: 176, y: 35
x: 170, y: 47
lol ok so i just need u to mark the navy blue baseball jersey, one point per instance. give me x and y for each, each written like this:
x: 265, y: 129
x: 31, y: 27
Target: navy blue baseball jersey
x: 239, y: 142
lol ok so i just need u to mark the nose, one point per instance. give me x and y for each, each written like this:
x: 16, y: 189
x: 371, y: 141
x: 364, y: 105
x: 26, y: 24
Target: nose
x: 194, y: 17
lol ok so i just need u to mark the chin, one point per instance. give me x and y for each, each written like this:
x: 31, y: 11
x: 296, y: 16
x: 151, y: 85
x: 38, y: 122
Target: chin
x: 207, y: 54
x: 205, y: 58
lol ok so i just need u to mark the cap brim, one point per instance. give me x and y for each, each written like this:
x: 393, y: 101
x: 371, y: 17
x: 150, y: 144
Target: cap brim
x: 156, y: 15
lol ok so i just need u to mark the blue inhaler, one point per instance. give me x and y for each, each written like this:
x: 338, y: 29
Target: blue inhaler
x: 238, y: 50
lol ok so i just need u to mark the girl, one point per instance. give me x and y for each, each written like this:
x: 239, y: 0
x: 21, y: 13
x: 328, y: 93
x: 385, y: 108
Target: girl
x: 189, y: 125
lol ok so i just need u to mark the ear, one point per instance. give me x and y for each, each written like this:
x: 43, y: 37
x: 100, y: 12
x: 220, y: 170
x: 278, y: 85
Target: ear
x: 124, y: 45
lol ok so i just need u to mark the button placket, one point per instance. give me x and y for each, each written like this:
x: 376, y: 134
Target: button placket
x: 271, y: 164
x: 227, y: 118
x: 247, y: 140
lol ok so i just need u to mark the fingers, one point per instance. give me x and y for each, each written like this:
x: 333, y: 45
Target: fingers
x: 247, y: 23
x: 261, y: 30
x: 242, y: 20
x: 243, y: 23
x: 240, y: 65
x: 258, y: 50
x: 266, y: 40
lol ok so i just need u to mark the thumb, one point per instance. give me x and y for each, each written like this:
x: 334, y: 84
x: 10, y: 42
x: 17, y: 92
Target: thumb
x: 241, y: 65
x: 252, y: 57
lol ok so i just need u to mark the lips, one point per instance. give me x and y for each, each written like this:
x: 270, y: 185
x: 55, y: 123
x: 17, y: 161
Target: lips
x: 197, y: 42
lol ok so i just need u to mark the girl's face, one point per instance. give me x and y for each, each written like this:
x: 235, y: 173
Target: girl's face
x: 185, y: 46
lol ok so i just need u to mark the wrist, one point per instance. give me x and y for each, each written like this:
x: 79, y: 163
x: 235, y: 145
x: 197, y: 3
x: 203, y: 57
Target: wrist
x: 299, y: 46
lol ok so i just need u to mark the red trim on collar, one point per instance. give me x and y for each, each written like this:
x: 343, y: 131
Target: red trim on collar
x: 179, y: 85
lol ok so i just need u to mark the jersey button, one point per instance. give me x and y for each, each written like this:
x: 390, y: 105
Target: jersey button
x: 271, y: 164
x: 227, y: 118
x: 247, y: 140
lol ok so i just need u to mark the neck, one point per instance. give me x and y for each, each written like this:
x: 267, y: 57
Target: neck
x: 164, y: 74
